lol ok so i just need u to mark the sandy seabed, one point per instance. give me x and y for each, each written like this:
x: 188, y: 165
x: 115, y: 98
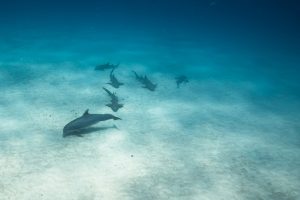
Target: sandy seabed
x: 216, y: 138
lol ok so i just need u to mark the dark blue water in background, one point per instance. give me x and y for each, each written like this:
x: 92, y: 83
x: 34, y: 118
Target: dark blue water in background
x: 259, y: 26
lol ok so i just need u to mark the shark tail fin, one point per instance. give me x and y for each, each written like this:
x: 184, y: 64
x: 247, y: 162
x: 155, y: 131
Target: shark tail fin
x: 108, y: 92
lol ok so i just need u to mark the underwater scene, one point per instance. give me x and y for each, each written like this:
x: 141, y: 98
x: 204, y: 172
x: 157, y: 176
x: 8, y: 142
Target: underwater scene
x: 150, y: 100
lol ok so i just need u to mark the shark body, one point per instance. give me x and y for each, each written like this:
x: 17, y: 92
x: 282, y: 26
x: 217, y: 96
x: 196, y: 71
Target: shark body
x: 114, y: 102
x: 145, y: 81
x: 106, y: 66
x: 180, y: 80
x: 113, y: 80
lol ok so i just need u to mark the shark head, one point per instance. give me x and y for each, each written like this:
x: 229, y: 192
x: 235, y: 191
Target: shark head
x: 115, y: 107
x: 150, y: 87
x: 114, y: 117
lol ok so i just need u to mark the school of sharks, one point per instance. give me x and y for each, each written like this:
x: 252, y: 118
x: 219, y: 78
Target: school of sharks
x: 76, y: 126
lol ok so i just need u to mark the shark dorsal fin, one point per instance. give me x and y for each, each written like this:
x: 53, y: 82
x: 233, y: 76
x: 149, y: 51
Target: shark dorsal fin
x: 86, y: 112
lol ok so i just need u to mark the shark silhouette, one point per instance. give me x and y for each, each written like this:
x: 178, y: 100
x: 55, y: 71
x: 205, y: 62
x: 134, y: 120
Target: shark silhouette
x: 106, y: 66
x: 180, y: 80
x: 114, y: 105
x: 145, y: 81
x: 113, y: 80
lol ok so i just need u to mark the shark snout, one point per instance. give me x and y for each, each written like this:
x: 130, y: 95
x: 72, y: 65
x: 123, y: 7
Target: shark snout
x: 116, y: 118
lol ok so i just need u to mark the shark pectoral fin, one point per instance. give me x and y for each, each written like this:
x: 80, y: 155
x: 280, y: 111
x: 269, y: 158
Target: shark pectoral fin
x: 114, y: 126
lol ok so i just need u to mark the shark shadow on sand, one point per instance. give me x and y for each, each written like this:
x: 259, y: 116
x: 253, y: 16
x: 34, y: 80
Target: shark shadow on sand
x: 90, y: 130
x: 145, y: 81
x: 77, y: 126
x: 114, y: 102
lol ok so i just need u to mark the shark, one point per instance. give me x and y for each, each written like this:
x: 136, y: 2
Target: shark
x: 145, y: 81
x: 114, y: 102
x: 106, y: 66
x: 180, y: 80
x: 76, y: 126
x: 113, y: 80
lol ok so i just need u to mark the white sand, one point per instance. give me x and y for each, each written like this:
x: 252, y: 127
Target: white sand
x: 210, y: 140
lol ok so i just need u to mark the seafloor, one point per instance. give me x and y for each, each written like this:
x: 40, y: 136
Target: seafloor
x: 232, y: 132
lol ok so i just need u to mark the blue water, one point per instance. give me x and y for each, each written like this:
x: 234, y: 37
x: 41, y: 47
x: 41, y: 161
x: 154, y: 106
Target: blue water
x: 231, y: 132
